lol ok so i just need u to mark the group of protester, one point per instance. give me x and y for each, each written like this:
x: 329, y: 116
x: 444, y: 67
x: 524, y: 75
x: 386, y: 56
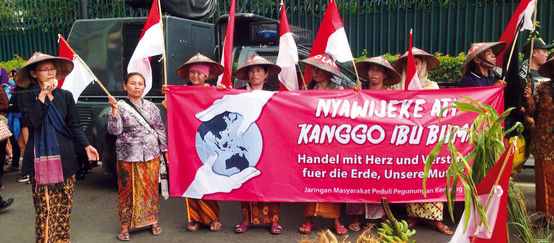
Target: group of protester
x: 54, y: 135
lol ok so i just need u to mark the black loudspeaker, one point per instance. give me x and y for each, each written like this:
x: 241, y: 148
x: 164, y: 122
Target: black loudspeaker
x: 190, y: 9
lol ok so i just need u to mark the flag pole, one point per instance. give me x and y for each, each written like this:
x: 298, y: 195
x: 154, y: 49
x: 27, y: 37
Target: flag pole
x: 358, y: 83
x: 302, y: 76
x: 511, y: 52
x: 532, y: 37
x: 163, y: 42
x: 86, y: 66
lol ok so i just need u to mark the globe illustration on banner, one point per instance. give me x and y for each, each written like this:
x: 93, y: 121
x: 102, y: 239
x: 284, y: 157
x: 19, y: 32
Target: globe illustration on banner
x: 234, y: 153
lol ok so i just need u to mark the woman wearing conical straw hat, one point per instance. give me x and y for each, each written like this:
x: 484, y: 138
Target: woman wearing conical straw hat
x: 196, y: 71
x: 431, y: 212
x: 326, y: 75
x: 49, y: 156
x: 257, y: 70
x: 379, y: 74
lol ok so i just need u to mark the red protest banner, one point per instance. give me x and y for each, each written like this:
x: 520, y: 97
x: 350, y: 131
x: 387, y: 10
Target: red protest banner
x: 324, y: 146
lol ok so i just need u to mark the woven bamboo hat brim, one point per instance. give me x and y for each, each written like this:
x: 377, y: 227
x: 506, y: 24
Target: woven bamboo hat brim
x: 392, y: 76
x: 23, y: 76
x: 272, y: 69
x: 324, y: 62
x: 432, y: 61
x: 216, y: 69
x: 478, y: 48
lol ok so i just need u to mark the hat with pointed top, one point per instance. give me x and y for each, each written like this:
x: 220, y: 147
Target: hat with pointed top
x: 478, y: 48
x: 432, y: 61
x: 23, y: 76
x: 392, y: 76
x: 324, y: 62
x: 242, y: 72
x: 216, y: 69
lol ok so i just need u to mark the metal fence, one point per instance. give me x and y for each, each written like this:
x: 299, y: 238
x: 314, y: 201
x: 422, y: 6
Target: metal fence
x: 377, y: 26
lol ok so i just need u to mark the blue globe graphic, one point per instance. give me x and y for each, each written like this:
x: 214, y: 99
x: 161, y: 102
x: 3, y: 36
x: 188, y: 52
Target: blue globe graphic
x: 219, y: 137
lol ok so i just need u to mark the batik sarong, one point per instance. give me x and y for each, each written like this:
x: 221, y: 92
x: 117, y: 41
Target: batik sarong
x: 138, y: 202
x: 53, y: 211
x: 324, y: 210
x: 261, y: 212
x: 202, y: 211
x: 368, y: 210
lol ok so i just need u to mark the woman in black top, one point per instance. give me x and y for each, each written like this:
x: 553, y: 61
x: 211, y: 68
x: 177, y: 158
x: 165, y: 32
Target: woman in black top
x: 49, y: 156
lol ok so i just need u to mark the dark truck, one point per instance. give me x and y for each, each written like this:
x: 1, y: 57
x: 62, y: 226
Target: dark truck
x: 106, y: 45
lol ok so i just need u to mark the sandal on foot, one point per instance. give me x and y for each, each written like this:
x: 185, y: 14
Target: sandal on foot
x: 156, y: 230
x: 241, y: 228
x: 306, y: 228
x: 124, y: 236
x: 276, y: 229
x: 340, y: 230
x: 215, y: 225
x: 193, y: 226
x: 441, y: 227
x: 354, y: 227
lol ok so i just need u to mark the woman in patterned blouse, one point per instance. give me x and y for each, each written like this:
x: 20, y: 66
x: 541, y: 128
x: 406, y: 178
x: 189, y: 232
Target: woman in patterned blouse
x: 141, y: 140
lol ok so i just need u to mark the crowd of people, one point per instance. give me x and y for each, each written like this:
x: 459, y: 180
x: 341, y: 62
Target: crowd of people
x: 47, y: 131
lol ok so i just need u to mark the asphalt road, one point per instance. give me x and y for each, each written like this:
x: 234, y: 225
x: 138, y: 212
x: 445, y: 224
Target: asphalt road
x: 94, y: 217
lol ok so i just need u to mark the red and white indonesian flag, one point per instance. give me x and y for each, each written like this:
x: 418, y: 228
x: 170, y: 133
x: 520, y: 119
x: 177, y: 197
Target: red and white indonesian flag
x: 331, y: 38
x: 80, y: 77
x: 227, y: 56
x: 150, y: 44
x: 493, y: 194
x: 288, y: 55
x: 412, y: 78
x: 524, y: 12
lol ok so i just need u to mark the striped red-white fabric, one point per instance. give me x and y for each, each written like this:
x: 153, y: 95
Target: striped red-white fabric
x: 412, y: 79
x: 331, y: 38
x: 524, y: 12
x: 150, y: 44
x: 227, y: 57
x: 79, y: 78
x: 288, y: 55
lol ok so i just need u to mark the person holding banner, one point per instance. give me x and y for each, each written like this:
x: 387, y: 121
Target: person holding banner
x: 424, y: 62
x: 480, y: 62
x: 325, y: 75
x: 197, y: 70
x: 539, y: 105
x: 380, y: 74
x: 430, y: 212
x: 256, y: 70
x: 49, y: 156
x: 140, y: 142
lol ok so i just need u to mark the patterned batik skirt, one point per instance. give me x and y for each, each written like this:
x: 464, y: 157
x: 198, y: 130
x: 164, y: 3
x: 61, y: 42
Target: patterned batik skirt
x: 544, y: 188
x: 138, y: 202
x: 369, y: 210
x: 431, y: 211
x: 324, y: 210
x: 202, y: 211
x: 261, y: 212
x: 53, y: 211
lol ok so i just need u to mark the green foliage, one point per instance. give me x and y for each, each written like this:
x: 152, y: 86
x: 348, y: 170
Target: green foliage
x: 449, y: 69
x: 486, y: 137
x: 14, y: 63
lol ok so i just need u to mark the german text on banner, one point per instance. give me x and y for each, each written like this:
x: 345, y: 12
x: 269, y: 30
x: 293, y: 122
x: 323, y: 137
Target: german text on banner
x: 308, y: 146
